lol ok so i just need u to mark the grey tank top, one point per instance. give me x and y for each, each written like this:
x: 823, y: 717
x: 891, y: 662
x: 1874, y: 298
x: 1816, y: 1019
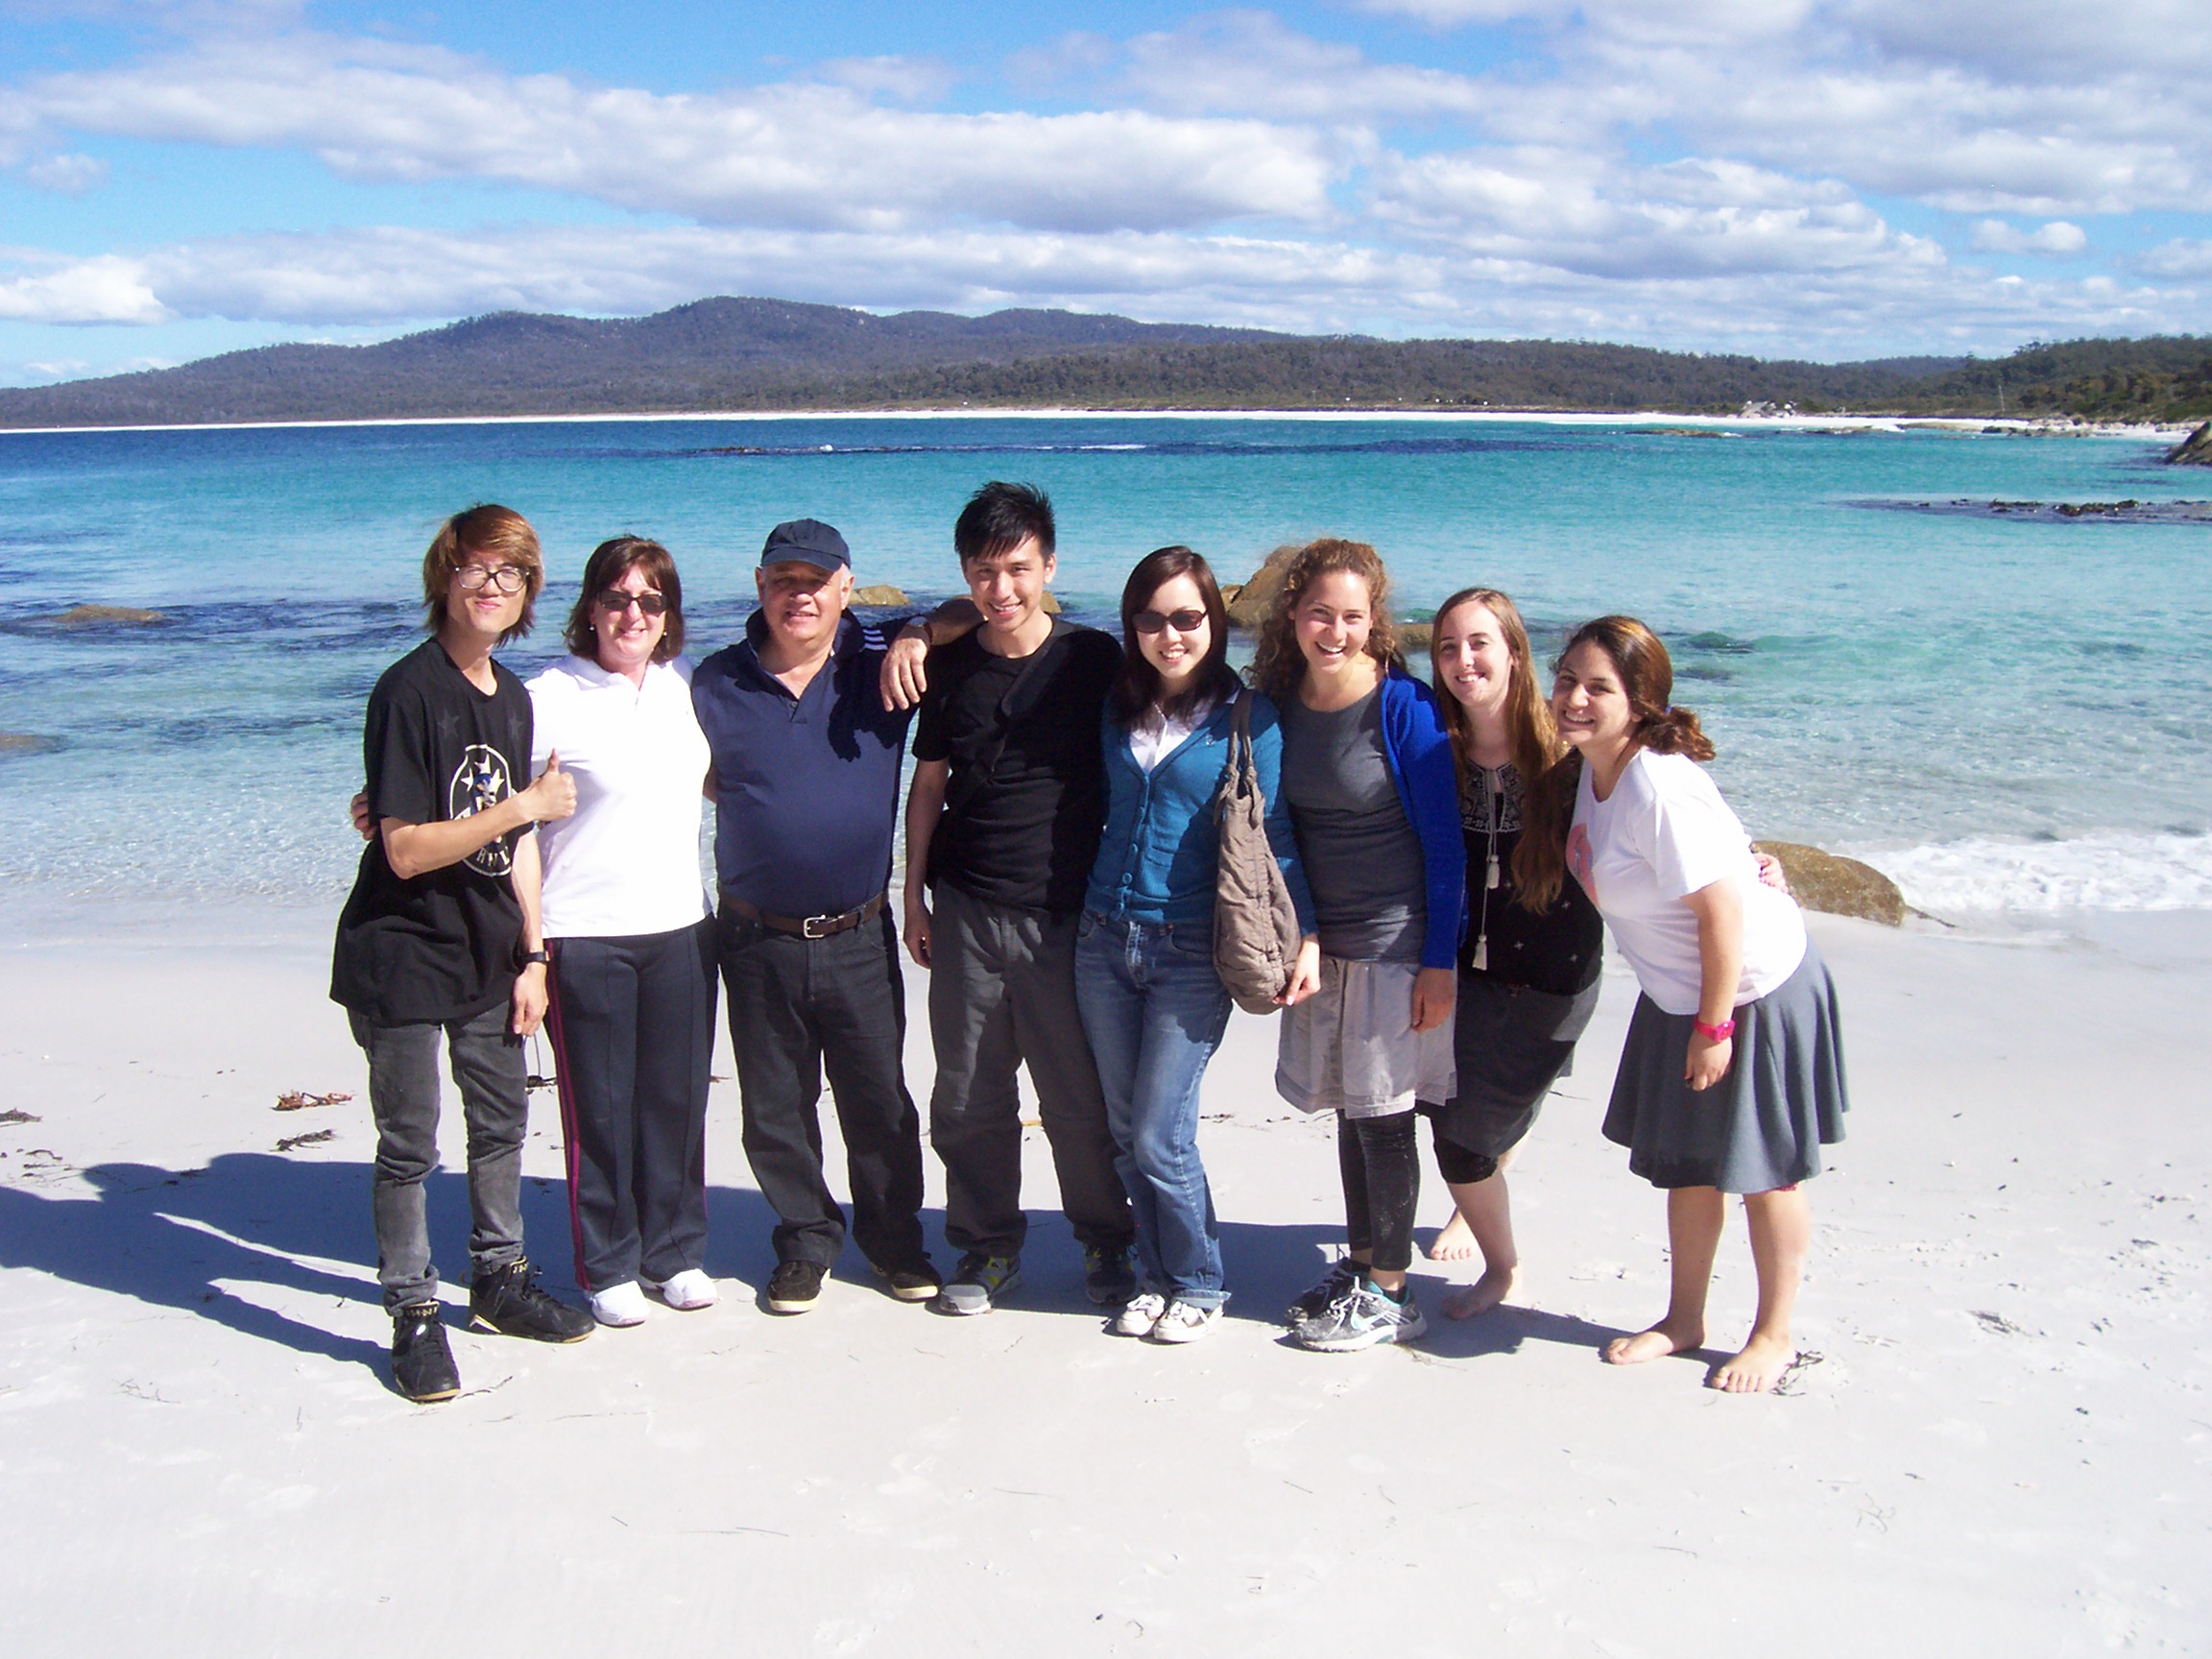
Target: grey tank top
x: 1363, y: 859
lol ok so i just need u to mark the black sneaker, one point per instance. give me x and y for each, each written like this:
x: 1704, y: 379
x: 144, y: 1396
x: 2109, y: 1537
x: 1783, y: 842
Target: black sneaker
x: 915, y: 1282
x: 795, y: 1287
x: 422, y: 1368
x: 977, y: 1284
x: 1107, y: 1277
x: 1342, y: 1275
x: 509, y: 1302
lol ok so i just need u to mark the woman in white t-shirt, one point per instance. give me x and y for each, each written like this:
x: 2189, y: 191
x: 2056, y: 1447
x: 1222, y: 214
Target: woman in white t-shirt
x: 626, y: 922
x: 1732, y: 1076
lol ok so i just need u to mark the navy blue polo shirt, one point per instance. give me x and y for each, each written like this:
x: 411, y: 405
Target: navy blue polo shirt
x: 807, y: 787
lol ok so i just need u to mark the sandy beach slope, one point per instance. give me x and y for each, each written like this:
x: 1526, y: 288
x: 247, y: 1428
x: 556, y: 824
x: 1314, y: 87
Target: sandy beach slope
x: 1999, y: 1441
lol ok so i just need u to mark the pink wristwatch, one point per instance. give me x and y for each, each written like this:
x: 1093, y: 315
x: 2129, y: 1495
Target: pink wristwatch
x: 1719, y: 1033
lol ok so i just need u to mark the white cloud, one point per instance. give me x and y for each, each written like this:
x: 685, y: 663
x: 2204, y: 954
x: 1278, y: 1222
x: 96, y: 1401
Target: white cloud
x: 804, y: 155
x: 1251, y: 63
x: 70, y: 175
x: 2058, y: 237
x: 2183, y: 256
x: 106, y: 289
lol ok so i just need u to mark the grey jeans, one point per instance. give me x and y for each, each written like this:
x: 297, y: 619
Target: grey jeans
x: 488, y: 1068
x: 1002, y: 993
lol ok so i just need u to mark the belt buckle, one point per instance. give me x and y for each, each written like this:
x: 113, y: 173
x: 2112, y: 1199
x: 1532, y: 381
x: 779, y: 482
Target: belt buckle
x: 815, y: 926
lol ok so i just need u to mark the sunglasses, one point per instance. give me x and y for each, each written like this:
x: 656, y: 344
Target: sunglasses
x: 613, y: 601
x: 1182, y: 621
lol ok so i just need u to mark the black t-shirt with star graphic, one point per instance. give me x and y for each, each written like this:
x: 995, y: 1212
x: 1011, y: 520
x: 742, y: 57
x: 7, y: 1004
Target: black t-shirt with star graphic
x: 439, y: 946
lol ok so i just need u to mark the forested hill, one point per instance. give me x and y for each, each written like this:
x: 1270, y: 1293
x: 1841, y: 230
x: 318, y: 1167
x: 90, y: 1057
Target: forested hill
x: 771, y: 354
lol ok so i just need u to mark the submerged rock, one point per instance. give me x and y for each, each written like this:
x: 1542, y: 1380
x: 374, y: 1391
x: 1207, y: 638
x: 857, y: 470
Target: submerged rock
x: 1839, y: 886
x: 1248, y: 600
x: 1415, y: 635
x: 2195, y: 450
x: 100, y: 615
x: 882, y: 595
x: 24, y: 743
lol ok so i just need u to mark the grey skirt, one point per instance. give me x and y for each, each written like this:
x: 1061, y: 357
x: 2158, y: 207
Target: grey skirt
x: 1514, y: 1044
x: 1762, y: 1125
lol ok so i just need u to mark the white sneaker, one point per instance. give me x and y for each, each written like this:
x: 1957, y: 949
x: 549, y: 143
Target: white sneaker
x: 1140, y: 1315
x: 1185, y: 1322
x: 690, y: 1290
x: 622, y: 1304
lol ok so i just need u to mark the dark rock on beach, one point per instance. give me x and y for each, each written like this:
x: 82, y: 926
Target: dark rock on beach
x: 1248, y: 600
x: 2196, y: 450
x: 107, y: 615
x: 1839, y: 886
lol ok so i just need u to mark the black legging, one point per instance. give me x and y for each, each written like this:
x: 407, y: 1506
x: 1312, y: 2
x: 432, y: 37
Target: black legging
x: 1380, y: 1163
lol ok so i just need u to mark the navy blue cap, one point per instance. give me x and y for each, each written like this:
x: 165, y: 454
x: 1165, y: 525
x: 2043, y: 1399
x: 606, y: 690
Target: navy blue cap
x: 809, y: 542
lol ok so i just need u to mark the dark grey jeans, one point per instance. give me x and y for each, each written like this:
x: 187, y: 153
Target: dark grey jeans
x: 488, y: 1068
x: 1002, y: 993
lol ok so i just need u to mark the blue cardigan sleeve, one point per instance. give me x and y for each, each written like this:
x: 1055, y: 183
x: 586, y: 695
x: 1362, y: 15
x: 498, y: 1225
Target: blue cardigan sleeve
x: 1267, y: 762
x: 1419, y: 751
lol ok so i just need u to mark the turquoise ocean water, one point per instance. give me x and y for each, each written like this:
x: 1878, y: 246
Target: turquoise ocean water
x: 2007, y: 710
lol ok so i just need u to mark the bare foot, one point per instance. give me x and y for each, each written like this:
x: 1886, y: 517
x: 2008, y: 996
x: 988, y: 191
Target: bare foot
x: 1485, y: 1293
x: 1656, y: 1343
x: 1454, y: 1243
x: 1756, y: 1369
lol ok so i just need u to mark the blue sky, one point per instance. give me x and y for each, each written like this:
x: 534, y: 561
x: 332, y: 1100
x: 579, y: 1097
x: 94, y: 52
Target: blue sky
x: 1814, y: 177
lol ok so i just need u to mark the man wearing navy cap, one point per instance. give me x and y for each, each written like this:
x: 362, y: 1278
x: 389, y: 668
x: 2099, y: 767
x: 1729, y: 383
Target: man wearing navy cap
x: 806, y: 788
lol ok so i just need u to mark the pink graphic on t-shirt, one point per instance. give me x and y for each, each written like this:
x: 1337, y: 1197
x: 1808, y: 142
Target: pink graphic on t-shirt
x: 1579, y: 853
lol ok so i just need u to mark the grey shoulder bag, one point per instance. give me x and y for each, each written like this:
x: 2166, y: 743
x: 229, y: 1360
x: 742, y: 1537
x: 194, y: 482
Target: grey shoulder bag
x: 1255, y: 933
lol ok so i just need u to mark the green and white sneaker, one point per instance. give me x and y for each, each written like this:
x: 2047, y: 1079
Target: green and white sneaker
x: 977, y: 1284
x: 1363, y: 1317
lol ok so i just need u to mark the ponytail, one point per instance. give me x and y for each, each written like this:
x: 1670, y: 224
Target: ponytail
x: 1673, y: 730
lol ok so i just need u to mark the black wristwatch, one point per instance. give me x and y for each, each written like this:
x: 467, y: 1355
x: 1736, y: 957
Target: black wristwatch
x: 524, y: 958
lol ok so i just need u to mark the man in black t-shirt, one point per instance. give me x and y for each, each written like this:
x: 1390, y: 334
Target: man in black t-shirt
x: 441, y: 935
x: 1002, y: 826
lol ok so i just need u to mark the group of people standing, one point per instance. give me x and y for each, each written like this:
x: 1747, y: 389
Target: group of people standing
x: 1451, y: 850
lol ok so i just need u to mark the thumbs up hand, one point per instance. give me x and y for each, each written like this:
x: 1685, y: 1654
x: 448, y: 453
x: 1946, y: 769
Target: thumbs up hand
x: 553, y: 795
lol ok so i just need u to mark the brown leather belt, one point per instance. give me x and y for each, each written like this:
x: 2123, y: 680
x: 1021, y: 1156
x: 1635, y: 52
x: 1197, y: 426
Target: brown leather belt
x: 807, y: 927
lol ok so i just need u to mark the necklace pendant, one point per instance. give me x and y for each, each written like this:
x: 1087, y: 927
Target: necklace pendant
x: 1482, y: 953
x: 1490, y: 879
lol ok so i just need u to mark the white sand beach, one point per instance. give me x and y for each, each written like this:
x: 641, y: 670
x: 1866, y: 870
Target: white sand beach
x: 1998, y: 1440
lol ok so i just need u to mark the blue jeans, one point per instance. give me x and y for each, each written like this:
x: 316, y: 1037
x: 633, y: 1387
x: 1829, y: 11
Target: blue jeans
x: 1154, y: 1011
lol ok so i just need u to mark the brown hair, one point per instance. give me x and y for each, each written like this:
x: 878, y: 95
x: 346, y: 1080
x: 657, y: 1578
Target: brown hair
x: 1648, y: 681
x: 1529, y: 728
x: 1138, y: 686
x: 1278, y: 664
x: 612, y: 560
x: 497, y: 532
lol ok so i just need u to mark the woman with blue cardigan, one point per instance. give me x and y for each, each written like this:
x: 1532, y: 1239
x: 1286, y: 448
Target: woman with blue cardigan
x: 1153, y: 1007
x: 1374, y: 798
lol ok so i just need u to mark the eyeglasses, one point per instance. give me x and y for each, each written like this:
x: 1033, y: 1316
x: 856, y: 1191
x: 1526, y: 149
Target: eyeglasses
x: 500, y: 578
x: 1182, y: 621
x: 613, y: 601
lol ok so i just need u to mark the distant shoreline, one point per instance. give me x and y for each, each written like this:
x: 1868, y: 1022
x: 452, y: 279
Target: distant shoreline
x: 2143, y: 432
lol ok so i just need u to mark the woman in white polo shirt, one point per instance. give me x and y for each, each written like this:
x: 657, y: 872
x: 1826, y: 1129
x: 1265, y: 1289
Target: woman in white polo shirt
x: 1732, y: 1076
x: 632, y: 1009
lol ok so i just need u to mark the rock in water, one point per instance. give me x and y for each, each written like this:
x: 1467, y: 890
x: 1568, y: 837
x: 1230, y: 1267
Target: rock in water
x: 1840, y: 886
x: 2196, y: 450
x: 880, y: 596
x: 1415, y: 635
x: 1248, y: 608
x: 98, y: 616
x: 24, y: 743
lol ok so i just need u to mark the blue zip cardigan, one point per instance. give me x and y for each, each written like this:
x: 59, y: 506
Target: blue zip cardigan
x: 1418, y: 751
x: 1156, y: 863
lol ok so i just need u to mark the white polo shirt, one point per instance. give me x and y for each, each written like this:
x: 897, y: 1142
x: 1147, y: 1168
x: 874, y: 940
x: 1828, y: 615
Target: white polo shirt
x: 1662, y: 834
x: 627, y: 862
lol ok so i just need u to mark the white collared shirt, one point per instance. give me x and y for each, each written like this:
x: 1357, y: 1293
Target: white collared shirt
x: 627, y: 862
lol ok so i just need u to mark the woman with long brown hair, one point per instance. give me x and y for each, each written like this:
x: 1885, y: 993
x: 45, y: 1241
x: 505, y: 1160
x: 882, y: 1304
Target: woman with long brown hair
x: 1732, y: 1076
x: 1153, y: 1007
x: 1367, y: 771
x: 1527, y: 972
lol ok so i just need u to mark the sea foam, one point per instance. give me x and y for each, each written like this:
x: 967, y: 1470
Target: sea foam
x: 2106, y: 870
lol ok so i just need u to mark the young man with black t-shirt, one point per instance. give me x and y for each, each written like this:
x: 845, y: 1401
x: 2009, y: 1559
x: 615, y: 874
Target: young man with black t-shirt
x: 441, y: 936
x: 1002, y: 824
